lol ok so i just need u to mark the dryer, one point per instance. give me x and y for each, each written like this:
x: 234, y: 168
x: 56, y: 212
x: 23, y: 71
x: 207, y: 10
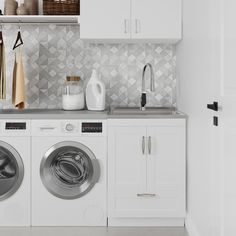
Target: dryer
x: 69, y: 173
x: 15, y: 172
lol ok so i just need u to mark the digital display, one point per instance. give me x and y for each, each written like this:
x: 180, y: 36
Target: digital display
x: 91, y: 127
x: 15, y: 126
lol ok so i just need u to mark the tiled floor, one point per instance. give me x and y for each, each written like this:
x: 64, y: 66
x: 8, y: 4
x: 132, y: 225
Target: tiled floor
x: 93, y: 231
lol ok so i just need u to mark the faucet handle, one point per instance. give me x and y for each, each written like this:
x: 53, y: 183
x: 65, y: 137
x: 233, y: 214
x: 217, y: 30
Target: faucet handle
x: 143, y: 101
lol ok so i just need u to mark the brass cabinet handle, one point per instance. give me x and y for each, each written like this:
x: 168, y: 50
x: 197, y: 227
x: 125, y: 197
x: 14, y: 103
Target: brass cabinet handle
x: 146, y: 195
x: 125, y: 26
x: 137, y: 26
x: 149, y: 145
x: 143, y: 145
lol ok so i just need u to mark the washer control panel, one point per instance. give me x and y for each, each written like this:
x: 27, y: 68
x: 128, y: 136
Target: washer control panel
x: 91, y: 127
x: 71, y: 128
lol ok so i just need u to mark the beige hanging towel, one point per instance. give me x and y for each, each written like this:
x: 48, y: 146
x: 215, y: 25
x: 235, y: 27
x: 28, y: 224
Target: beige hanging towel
x: 18, y: 84
x: 2, y: 70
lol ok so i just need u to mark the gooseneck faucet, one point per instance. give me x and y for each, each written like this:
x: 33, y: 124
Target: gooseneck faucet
x: 152, y: 85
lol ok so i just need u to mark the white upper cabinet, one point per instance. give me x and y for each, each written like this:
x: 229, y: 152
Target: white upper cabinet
x: 154, y: 20
x: 105, y: 19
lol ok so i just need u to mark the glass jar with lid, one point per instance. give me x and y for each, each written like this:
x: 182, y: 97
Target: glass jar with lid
x: 73, y: 94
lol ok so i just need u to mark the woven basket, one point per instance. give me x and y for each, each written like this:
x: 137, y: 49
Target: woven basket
x: 61, y: 7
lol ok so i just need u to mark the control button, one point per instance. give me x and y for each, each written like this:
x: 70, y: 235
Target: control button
x: 69, y: 127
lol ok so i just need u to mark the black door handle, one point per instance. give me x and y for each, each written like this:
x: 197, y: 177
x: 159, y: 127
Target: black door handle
x: 213, y: 106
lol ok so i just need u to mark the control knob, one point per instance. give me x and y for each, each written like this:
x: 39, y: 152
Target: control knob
x: 69, y: 127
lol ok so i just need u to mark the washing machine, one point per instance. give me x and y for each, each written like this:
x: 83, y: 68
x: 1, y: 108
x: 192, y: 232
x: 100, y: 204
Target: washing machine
x: 15, y: 172
x: 69, y: 160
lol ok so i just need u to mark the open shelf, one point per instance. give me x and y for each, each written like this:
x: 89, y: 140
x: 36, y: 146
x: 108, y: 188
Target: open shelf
x: 30, y: 19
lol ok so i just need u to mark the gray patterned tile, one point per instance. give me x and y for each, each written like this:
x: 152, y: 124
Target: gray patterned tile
x: 52, y: 52
x: 136, y: 55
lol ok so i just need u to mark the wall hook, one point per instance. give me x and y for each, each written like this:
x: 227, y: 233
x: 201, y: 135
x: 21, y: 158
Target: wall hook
x: 19, y: 25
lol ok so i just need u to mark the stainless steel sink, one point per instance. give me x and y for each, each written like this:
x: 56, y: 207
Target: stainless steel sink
x: 147, y: 111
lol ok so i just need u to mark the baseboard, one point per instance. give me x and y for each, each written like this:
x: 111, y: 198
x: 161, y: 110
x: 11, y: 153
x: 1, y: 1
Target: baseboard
x: 145, y: 221
x: 190, y: 227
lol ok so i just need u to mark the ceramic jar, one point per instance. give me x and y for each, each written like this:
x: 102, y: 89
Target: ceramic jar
x: 22, y: 10
x: 10, y: 7
x: 32, y: 6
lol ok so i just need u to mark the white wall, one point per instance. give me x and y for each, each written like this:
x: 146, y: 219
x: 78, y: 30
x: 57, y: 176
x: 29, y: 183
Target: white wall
x: 2, y: 5
x: 195, y: 71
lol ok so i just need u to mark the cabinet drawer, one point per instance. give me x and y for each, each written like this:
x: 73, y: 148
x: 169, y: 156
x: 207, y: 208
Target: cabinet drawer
x: 168, y: 202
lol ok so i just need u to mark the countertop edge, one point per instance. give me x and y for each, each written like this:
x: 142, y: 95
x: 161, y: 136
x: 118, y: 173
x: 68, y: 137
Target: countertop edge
x: 60, y: 115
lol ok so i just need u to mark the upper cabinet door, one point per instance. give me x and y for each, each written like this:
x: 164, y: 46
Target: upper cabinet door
x: 105, y: 19
x: 157, y: 19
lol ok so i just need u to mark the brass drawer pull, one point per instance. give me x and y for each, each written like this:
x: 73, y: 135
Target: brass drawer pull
x: 146, y: 195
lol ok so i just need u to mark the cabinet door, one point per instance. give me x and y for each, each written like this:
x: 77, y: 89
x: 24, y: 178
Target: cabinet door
x: 157, y: 19
x: 126, y: 171
x: 166, y: 171
x: 105, y: 19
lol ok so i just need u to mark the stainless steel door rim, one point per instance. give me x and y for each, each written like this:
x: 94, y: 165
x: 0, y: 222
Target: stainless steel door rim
x: 69, y: 170
x: 11, y: 183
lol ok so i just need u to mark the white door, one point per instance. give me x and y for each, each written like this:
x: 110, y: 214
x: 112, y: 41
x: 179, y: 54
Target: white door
x: 206, y: 65
x: 105, y: 19
x: 227, y: 115
x: 196, y: 70
x: 223, y: 86
x: 127, y: 170
x: 166, y: 170
x: 156, y: 19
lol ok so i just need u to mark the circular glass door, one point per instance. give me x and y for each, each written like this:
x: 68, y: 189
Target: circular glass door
x: 11, y: 170
x: 69, y: 170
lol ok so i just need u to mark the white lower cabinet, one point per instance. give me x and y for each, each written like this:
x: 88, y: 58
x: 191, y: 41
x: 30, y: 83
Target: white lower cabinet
x: 146, y: 172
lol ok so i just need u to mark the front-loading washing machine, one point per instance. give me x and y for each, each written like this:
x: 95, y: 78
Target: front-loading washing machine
x: 15, y: 173
x: 69, y: 173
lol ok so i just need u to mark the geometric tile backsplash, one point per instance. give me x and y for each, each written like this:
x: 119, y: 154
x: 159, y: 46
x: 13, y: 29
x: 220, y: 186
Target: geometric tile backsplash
x: 52, y: 52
